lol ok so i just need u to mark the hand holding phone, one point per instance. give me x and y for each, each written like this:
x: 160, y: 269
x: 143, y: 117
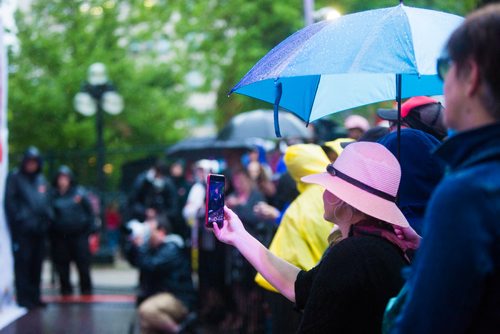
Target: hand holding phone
x: 214, y: 212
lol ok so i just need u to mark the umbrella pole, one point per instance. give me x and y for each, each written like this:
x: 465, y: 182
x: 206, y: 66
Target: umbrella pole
x: 398, y: 99
x: 277, y: 99
x: 399, y: 80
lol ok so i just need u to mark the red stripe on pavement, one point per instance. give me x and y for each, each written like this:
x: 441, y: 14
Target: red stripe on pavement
x: 90, y: 299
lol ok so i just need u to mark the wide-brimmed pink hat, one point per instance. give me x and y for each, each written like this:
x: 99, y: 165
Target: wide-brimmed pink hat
x: 366, y: 176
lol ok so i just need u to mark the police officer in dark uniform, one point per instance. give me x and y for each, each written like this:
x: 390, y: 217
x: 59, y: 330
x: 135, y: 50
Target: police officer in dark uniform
x: 28, y: 214
x: 73, y: 222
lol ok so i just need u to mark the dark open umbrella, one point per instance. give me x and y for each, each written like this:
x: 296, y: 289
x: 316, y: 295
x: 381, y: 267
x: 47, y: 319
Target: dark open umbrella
x: 260, y: 124
x: 207, y: 148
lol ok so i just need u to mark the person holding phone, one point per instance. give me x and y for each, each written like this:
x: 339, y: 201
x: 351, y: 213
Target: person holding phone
x: 348, y: 290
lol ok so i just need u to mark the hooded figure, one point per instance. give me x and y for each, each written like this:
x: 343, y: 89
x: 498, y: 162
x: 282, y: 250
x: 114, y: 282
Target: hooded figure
x: 28, y: 214
x: 73, y: 222
x: 421, y: 172
x: 26, y: 197
x: 73, y: 213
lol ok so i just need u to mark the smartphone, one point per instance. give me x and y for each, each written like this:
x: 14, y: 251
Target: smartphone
x: 214, y: 212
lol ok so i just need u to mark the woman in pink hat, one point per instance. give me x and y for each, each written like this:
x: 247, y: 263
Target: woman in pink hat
x: 349, y: 288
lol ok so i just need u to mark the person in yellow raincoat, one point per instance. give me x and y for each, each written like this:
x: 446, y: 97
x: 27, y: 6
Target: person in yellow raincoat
x: 303, y: 234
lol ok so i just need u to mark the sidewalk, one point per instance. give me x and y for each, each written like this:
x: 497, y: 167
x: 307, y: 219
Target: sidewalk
x: 111, y: 309
x: 119, y: 278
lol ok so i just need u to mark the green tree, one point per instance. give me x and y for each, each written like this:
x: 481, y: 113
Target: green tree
x: 58, y: 40
x: 225, y: 38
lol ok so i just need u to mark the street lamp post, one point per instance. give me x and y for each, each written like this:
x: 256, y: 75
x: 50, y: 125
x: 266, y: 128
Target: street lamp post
x: 325, y: 13
x: 308, y: 12
x: 97, y: 96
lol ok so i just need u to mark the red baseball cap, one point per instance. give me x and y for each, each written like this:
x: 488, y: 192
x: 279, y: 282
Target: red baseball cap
x: 414, y: 102
x: 409, y: 105
x: 419, y: 112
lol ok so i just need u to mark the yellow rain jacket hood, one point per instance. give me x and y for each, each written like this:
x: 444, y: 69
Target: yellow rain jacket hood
x: 336, y: 144
x: 305, y: 159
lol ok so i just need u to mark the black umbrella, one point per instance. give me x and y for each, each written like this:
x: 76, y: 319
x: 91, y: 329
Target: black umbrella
x: 207, y: 148
x: 260, y: 124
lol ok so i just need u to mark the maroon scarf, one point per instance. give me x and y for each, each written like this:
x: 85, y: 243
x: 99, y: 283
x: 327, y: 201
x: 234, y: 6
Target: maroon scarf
x: 383, y: 230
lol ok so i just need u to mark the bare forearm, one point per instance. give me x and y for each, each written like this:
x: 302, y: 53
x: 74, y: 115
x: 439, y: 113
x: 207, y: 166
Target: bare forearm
x: 278, y: 272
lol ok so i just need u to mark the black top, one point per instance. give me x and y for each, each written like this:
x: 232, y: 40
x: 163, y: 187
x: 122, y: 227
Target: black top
x: 27, y: 204
x: 73, y: 214
x: 150, y: 193
x: 347, y: 292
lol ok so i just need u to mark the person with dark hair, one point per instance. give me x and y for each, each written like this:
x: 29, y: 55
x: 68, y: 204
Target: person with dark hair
x: 166, y: 292
x: 454, y: 286
x: 371, y: 135
x: 28, y: 214
x: 182, y: 186
x: 327, y: 130
x: 356, y: 125
x: 73, y: 222
x: 153, y: 193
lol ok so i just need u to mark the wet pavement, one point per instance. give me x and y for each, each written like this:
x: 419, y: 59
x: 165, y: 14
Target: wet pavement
x: 111, y: 309
x: 119, y: 278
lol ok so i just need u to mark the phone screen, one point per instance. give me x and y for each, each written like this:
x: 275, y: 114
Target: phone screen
x: 215, y: 200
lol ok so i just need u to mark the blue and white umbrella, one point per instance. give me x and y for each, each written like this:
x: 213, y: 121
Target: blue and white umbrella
x: 357, y: 59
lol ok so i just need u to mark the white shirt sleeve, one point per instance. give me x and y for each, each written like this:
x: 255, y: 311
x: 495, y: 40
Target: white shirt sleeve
x: 195, y: 201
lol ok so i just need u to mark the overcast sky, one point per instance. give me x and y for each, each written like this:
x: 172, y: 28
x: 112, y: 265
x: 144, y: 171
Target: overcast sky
x: 7, y: 8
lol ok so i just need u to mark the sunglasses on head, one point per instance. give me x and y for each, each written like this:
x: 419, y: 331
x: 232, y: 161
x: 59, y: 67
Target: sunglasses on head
x: 444, y: 63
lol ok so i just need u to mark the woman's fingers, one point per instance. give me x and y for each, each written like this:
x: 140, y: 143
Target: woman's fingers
x: 399, y: 233
x: 216, y: 229
x: 228, y: 212
x: 408, y: 235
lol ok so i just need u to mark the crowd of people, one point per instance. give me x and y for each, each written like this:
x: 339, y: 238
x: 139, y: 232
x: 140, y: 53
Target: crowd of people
x: 382, y: 231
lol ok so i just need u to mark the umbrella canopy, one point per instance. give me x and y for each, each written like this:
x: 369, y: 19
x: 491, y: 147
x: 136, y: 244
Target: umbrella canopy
x: 207, y: 148
x: 260, y: 124
x: 357, y: 59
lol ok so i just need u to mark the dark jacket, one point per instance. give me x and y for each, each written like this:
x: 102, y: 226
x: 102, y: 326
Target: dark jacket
x: 257, y: 227
x: 27, y: 199
x: 348, y: 291
x: 455, y: 282
x: 145, y: 194
x: 421, y: 172
x: 73, y: 214
x: 164, y: 269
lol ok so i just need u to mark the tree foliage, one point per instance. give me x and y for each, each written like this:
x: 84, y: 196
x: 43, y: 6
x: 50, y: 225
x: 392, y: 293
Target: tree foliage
x: 58, y: 40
